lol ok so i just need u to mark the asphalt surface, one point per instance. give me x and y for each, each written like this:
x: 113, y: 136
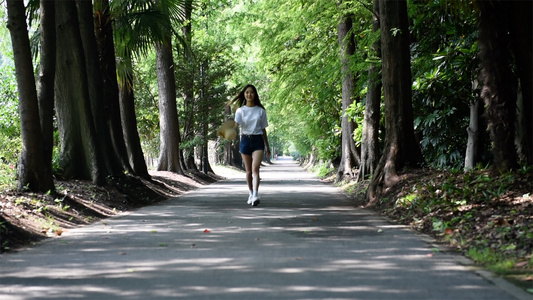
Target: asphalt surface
x: 305, y: 240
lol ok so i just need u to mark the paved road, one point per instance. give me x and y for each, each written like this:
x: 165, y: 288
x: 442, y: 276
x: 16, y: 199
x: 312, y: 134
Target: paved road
x: 305, y: 241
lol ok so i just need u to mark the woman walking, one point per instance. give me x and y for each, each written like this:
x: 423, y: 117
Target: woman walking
x: 252, y: 118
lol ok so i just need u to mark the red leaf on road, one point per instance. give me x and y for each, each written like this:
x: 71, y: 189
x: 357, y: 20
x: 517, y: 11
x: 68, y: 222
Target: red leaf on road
x: 207, y: 231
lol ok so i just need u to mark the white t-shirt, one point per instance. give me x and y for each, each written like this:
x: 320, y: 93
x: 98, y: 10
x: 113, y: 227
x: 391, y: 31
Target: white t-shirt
x: 251, y: 119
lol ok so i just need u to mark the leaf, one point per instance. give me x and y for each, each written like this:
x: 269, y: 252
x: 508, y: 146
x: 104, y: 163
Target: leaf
x: 521, y: 264
x: 448, y: 231
x: 510, y: 247
x: 207, y: 231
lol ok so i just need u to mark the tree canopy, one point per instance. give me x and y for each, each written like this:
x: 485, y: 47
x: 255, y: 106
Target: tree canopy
x: 291, y: 50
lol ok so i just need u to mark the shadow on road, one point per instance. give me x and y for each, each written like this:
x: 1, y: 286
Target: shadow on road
x: 305, y: 241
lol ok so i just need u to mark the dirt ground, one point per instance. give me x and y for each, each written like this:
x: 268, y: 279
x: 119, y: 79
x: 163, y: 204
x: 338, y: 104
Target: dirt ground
x: 28, y: 217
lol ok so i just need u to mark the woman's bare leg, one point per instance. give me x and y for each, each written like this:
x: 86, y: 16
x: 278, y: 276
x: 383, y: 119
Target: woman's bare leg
x: 257, y: 157
x: 247, y: 159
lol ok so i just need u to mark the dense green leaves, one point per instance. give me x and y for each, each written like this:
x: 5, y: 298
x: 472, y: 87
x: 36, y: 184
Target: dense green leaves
x: 445, y: 67
x: 289, y: 50
x: 9, y: 116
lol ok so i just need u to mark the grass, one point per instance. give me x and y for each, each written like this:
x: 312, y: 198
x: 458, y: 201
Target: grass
x: 7, y: 173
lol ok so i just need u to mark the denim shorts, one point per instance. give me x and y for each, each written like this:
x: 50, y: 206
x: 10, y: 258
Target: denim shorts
x: 251, y: 143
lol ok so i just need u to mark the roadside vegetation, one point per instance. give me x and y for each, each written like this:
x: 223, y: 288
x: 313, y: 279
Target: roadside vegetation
x: 484, y: 217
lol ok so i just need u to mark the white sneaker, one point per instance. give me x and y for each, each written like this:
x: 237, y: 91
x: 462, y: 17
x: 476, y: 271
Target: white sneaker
x: 250, y: 201
x: 255, y: 201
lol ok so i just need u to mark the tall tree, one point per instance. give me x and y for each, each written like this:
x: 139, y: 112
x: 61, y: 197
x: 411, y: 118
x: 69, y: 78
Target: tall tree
x: 32, y: 169
x: 505, y: 39
x: 349, y: 155
x: 112, y: 154
x: 188, y: 90
x: 499, y: 84
x: 401, y: 148
x: 370, y: 136
x: 169, y: 152
x: 102, y: 45
x: 79, y: 156
x: 522, y: 47
x: 120, y: 113
x: 45, y: 94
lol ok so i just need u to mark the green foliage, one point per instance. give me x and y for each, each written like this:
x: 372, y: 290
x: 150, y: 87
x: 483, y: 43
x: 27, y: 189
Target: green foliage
x: 356, y: 112
x: 494, y: 260
x: 444, y: 65
x: 146, y: 104
x: 8, y: 174
x: 457, y: 191
x: 210, y: 63
x: 323, y: 170
x: 299, y: 53
x: 10, y: 141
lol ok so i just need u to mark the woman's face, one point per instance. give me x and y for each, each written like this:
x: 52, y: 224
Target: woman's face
x: 249, y: 94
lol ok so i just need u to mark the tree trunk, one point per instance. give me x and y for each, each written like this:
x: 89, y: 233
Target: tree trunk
x: 188, y: 91
x: 370, y: 138
x: 79, y: 156
x: 102, y: 34
x: 129, y: 127
x: 32, y: 171
x: 473, y: 133
x: 110, y: 158
x: 349, y: 156
x: 401, y: 148
x: 169, y: 155
x: 204, y: 108
x: 499, y: 84
x: 522, y: 46
x: 47, y: 69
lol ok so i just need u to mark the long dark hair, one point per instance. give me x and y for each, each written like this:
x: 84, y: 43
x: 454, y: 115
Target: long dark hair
x: 239, y: 100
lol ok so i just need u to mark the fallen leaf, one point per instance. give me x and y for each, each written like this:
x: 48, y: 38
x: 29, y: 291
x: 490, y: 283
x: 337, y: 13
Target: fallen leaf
x: 380, y: 230
x: 521, y: 264
x: 207, y: 231
x: 448, y: 231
